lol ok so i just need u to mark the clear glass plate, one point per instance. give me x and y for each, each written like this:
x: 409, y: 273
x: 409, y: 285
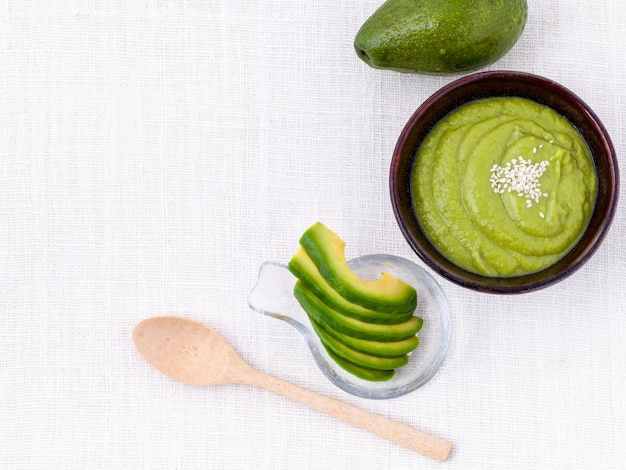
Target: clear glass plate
x: 273, y: 296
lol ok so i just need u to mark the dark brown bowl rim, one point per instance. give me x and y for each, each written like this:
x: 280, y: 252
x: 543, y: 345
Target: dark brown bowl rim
x: 505, y: 83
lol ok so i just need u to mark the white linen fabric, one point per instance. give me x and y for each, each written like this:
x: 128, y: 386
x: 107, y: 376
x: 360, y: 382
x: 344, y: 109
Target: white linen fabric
x: 154, y: 153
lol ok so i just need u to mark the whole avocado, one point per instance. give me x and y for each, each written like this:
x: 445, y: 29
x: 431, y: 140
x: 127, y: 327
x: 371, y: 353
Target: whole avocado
x: 440, y: 36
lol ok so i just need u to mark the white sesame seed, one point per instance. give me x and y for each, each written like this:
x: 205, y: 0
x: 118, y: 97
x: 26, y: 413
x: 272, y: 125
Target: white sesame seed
x: 521, y: 176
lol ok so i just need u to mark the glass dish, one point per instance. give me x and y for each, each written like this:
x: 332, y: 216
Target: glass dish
x: 273, y: 296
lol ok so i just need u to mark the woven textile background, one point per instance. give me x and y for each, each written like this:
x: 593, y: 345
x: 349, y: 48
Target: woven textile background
x: 154, y: 153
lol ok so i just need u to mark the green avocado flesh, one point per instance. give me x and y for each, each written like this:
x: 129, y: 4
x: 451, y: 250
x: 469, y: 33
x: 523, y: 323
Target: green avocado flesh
x: 376, y: 348
x: 364, y: 373
x: 358, y: 357
x: 321, y: 313
x: 327, y: 251
x: 504, y: 186
x: 440, y: 37
x: 304, y: 269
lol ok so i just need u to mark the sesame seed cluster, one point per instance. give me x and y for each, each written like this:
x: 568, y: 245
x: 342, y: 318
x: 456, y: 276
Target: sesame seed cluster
x: 521, y: 176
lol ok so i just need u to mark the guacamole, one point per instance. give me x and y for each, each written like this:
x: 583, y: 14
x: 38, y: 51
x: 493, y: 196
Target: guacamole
x: 503, y: 186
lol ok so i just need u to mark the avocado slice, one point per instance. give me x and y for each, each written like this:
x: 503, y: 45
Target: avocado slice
x: 321, y: 313
x: 364, y: 373
x: 304, y: 269
x: 376, y: 348
x: 357, y: 357
x: 327, y: 250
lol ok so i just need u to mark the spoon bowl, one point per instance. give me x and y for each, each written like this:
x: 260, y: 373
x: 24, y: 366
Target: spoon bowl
x: 187, y: 351
x: 193, y: 353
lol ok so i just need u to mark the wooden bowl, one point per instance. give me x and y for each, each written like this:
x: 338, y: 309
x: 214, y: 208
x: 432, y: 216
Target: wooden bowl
x: 506, y: 84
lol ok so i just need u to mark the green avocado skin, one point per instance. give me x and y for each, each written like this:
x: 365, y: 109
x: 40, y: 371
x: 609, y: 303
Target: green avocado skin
x: 305, y: 270
x: 440, y: 36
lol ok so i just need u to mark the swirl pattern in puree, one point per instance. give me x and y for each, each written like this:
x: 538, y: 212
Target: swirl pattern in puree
x: 504, y: 186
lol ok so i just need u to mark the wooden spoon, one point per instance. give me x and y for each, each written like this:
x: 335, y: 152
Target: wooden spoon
x: 192, y: 353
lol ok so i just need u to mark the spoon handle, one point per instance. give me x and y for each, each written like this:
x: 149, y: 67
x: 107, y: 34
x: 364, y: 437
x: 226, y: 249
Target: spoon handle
x: 394, y: 431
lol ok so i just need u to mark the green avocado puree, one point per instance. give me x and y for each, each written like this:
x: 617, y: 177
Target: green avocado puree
x: 504, y: 186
